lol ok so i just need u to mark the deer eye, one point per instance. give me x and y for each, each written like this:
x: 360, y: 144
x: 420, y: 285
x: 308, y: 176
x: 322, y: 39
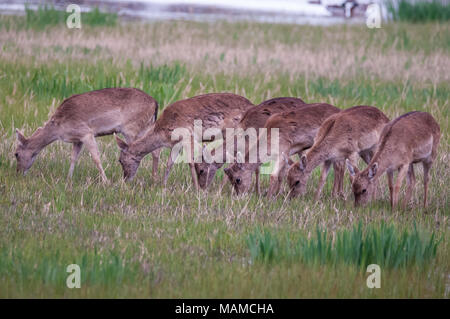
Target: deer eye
x: 202, y: 171
x: 364, y: 191
x: 16, y: 155
x: 238, y: 181
x: 296, y: 183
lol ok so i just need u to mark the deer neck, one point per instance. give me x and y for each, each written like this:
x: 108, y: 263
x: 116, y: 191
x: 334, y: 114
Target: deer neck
x: 252, y: 165
x: 41, y: 138
x: 151, y: 141
x: 383, y: 164
x: 314, y: 158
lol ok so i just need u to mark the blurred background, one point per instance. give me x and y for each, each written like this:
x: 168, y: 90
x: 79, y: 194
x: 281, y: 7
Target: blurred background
x: 282, y: 11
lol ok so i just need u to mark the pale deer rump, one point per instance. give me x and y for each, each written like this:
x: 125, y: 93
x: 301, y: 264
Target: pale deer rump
x: 407, y: 140
x: 80, y: 118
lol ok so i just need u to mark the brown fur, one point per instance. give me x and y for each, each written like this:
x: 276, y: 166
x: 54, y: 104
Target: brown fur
x: 409, y: 139
x: 255, y: 117
x: 297, y: 129
x: 81, y: 118
x: 344, y: 135
x: 216, y: 110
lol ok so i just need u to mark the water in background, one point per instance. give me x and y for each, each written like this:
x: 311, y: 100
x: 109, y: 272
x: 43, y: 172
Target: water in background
x: 273, y: 11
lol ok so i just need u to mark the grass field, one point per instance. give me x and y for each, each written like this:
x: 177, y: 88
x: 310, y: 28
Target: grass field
x: 141, y: 240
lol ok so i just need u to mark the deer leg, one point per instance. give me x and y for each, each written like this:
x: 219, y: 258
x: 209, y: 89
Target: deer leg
x: 155, y: 162
x: 367, y: 156
x: 276, y: 177
x: 192, y: 166
x: 426, y: 179
x: 341, y: 179
x: 92, y: 147
x: 411, y: 182
x: 194, y: 175
x: 390, y: 176
x: 353, y: 158
x: 323, y: 178
x: 76, y: 150
x: 339, y: 171
x: 170, y: 162
x: 224, y: 181
x: 257, y: 189
x: 403, y: 170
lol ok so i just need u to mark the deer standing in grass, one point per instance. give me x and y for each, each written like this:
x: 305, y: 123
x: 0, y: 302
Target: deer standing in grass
x: 255, y: 118
x: 215, y: 110
x: 83, y: 117
x: 297, y: 129
x: 409, y: 139
x: 352, y: 132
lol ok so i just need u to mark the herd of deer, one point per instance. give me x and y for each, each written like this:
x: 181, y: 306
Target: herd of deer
x: 319, y: 133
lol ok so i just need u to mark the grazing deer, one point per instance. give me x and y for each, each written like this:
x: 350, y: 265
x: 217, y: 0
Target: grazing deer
x: 81, y: 118
x: 255, y: 118
x: 215, y: 110
x: 409, y: 139
x: 297, y: 129
x: 344, y: 135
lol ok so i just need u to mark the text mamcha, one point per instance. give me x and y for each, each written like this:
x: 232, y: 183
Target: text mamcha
x: 225, y: 308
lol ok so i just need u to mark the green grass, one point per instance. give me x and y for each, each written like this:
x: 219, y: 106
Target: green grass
x: 384, y: 244
x: 142, y: 240
x: 420, y: 11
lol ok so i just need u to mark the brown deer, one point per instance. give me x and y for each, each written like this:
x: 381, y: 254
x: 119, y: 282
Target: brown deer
x: 255, y: 118
x: 297, y: 129
x: 409, y: 139
x: 81, y: 118
x: 344, y: 135
x: 215, y: 110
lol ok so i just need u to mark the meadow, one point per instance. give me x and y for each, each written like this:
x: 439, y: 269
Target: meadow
x: 141, y: 240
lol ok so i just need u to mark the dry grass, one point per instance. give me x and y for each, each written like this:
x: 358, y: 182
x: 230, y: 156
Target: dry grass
x: 396, y: 52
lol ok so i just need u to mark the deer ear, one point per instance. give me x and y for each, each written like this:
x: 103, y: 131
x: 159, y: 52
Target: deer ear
x: 286, y: 159
x: 227, y: 171
x: 373, y: 170
x: 121, y: 143
x: 20, y: 137
x: 350, y: 168
x: 302, y: 163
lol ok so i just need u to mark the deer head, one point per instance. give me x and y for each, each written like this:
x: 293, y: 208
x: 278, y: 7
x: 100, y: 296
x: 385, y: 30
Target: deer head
x: 129, y: 161
x: 24, y: 154
x: 297, y: 178
x: 362, y: 182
